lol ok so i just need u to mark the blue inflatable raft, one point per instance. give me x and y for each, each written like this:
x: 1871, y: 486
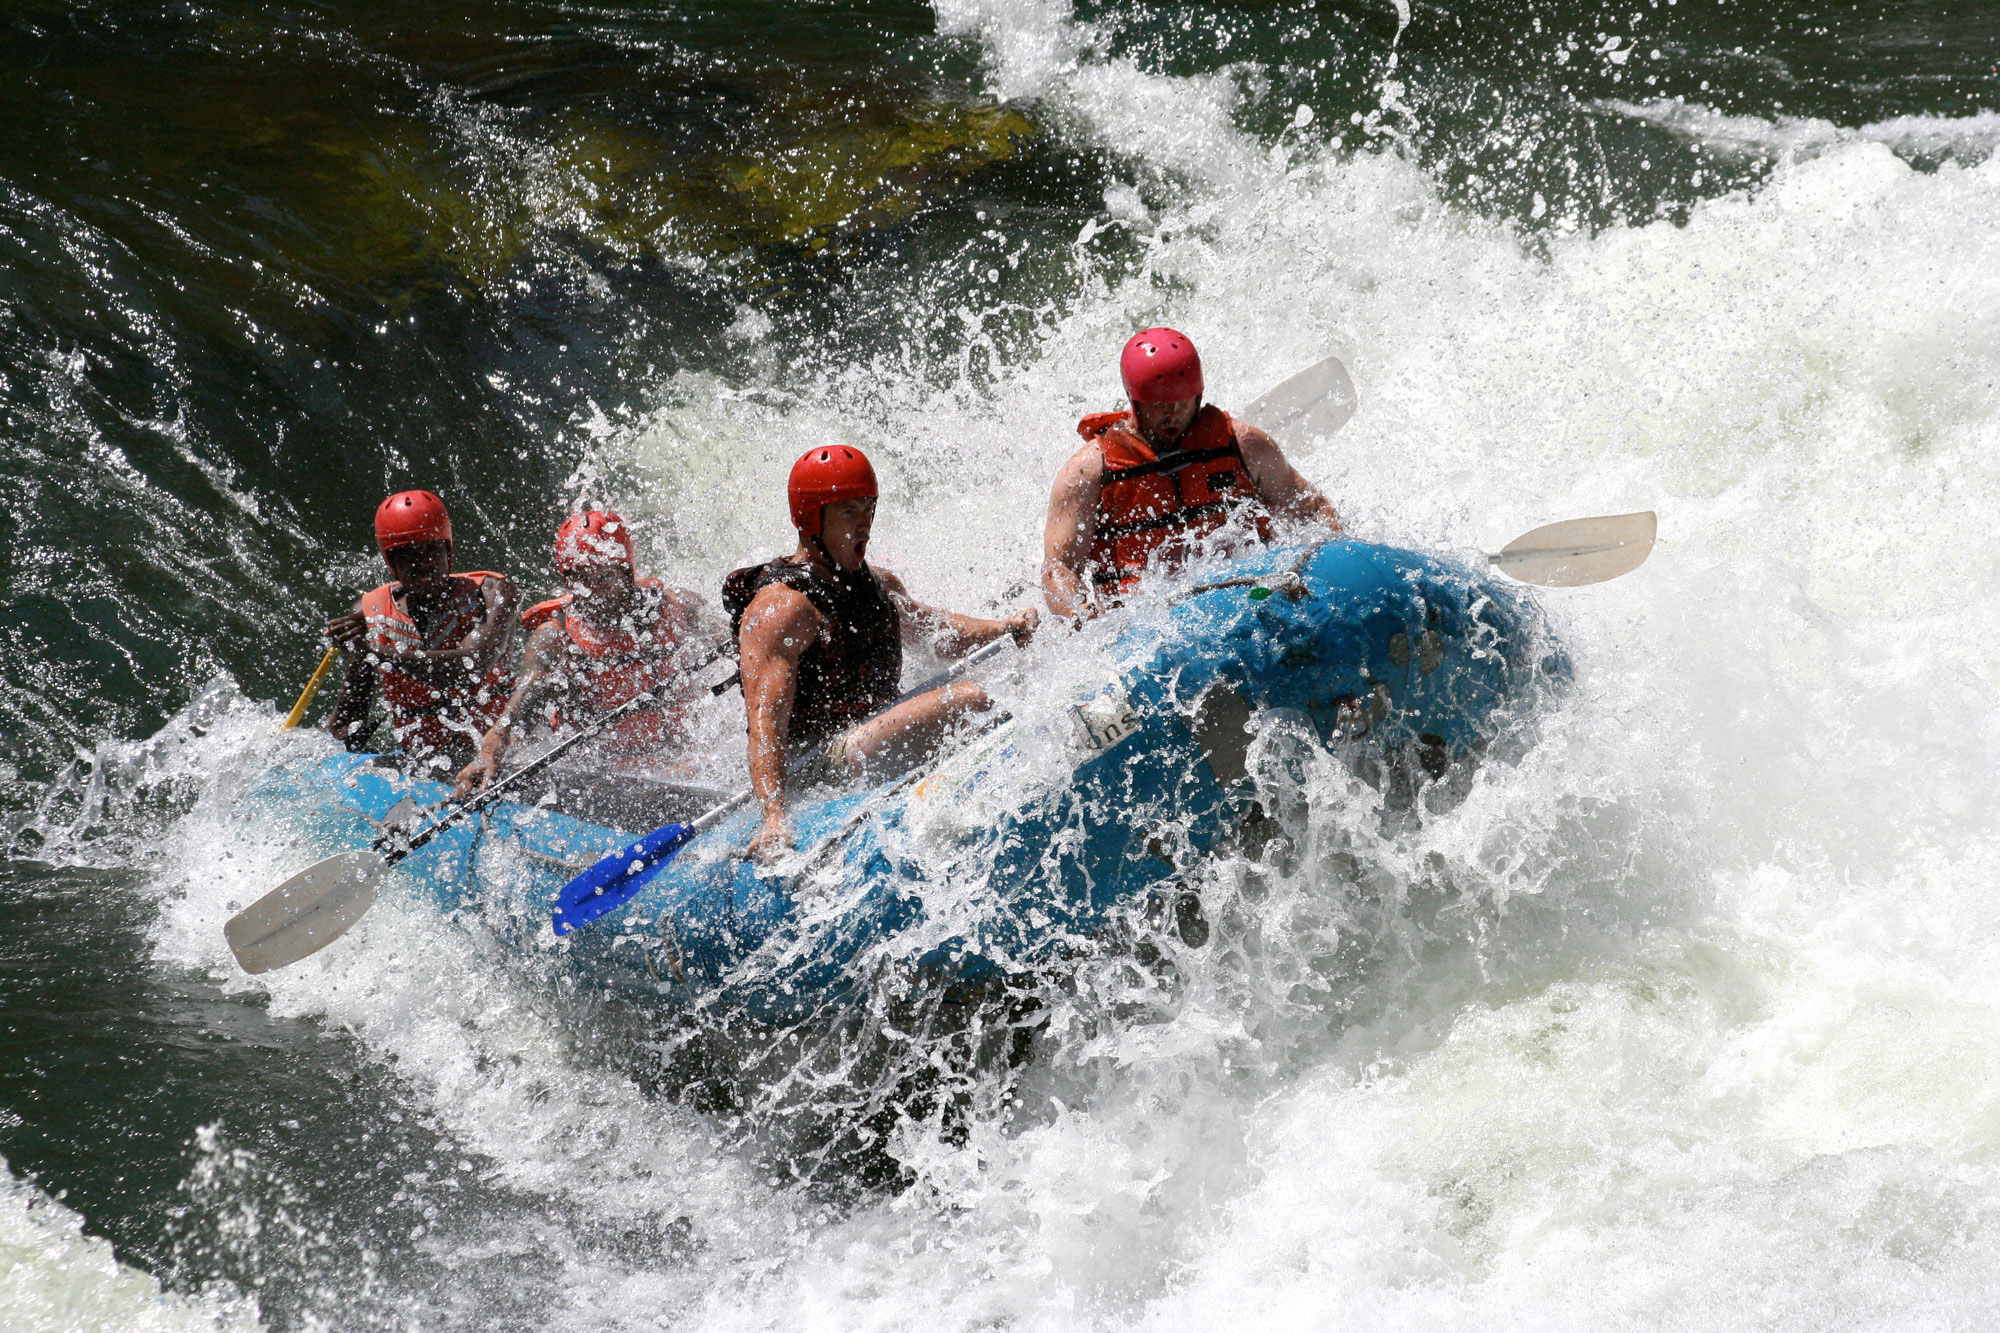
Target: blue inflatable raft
x: 1023, y: 842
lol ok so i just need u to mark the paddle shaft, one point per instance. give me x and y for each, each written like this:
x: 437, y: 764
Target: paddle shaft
x: 298, y: 713
x: 900, y: 785
x: 394, y: 848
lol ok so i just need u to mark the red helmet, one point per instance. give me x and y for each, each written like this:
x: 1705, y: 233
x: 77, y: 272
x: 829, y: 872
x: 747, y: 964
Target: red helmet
x: 828, y: 473
x: 594, y: 537
x: 409, y: 517
x: 1160, y: 366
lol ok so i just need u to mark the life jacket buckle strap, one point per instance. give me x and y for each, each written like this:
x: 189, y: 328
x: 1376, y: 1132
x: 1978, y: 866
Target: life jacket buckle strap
x: 1173, y: 518
x: 1173, y: 462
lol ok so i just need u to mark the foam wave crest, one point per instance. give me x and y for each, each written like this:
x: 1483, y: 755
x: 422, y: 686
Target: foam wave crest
x: 56, y: 1279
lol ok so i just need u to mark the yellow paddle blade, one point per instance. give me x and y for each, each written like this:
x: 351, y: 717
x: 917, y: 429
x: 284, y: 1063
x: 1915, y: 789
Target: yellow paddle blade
x: 1580, y: 551
x: 306, y: 913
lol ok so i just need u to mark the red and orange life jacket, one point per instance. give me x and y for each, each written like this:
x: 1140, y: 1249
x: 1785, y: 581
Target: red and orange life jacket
x: 1154, y: 511
x: 607, y: 668
x: 435, y: 709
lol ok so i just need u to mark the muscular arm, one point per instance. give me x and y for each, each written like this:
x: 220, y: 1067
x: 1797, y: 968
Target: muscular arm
x: 488, y: 643
x: 1284, y: 492
x: 706, y: 626
x: 1072, y: 526
x: 346, y: 723
x: 539, y: 674
x: 779, y: 625
x: 704, y: 619
x: 531, y: 696
x: 950, y: 632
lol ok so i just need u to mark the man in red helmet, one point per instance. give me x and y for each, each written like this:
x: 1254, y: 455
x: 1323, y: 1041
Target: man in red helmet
x: 820, y: 638
x: 436, y: 641
x: 611, y: 636
x: 1149, y: 486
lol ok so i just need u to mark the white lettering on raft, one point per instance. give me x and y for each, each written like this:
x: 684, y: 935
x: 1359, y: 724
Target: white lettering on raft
x: 1104, y: 719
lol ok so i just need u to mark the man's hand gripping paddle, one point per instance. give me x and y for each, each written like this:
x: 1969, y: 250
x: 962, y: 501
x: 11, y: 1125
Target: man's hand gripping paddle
x: 610, y: 883
x: 318, y: 905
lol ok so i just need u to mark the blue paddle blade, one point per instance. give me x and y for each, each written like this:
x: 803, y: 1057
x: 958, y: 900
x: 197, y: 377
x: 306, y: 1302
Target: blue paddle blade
x: 610, y: 884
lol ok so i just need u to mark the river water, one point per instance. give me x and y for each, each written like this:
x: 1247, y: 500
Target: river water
x: 1685, y: 1017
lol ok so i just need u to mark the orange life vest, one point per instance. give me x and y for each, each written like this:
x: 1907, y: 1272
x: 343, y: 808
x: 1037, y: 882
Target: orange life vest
x: 435, y: 709
x: 1154, y: 511
x: 607, y: 668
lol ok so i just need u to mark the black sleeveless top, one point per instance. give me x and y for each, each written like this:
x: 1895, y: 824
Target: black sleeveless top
x: 852, y: 674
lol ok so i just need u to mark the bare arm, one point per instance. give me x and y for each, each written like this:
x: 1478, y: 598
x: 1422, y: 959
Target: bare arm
x: 700, y: 612
x: 950, y: 632
x: 488, y: 643
x: 705, y: 621
x: 481, y: 649
x: 1279, y: 485
x: 346, y: 723
x: 1072, y: 527
x: 531, y: 695
x: 779, y: 625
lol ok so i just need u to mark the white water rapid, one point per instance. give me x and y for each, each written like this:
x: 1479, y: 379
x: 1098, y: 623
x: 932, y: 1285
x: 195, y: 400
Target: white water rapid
x: 1687, y: 1019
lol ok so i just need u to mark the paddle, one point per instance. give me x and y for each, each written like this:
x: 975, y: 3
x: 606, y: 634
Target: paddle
x: 1316, y: 401
x: 315, y: 907
x: 1558, y: 555
x: 1320, y: 399
x: 611, y: 882
x: 1580, y: 551
x: 298, y: 713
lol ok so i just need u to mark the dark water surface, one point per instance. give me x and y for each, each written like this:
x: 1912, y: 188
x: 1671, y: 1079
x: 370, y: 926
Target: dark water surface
x: 262, y: 263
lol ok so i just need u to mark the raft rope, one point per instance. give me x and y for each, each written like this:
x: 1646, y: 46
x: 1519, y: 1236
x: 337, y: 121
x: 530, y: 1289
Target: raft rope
x: 1289, y: 582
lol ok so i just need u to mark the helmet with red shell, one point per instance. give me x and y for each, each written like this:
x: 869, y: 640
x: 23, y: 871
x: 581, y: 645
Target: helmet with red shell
x: 1160, y: 366
x: 823, y: 475
x: 409, y: 517
x: 593, y: 537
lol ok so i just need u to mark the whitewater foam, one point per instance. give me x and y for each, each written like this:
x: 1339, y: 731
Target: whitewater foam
x: 1965, y: 139
x: 56, y: 1279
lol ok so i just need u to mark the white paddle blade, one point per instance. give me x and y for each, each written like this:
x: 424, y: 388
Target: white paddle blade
x: 1315, y: 402
x: 1583, y: 550
x: 306, y: 913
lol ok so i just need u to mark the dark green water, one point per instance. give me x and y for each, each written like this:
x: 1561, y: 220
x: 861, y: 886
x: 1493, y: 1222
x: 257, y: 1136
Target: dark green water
x: 262, y: 263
